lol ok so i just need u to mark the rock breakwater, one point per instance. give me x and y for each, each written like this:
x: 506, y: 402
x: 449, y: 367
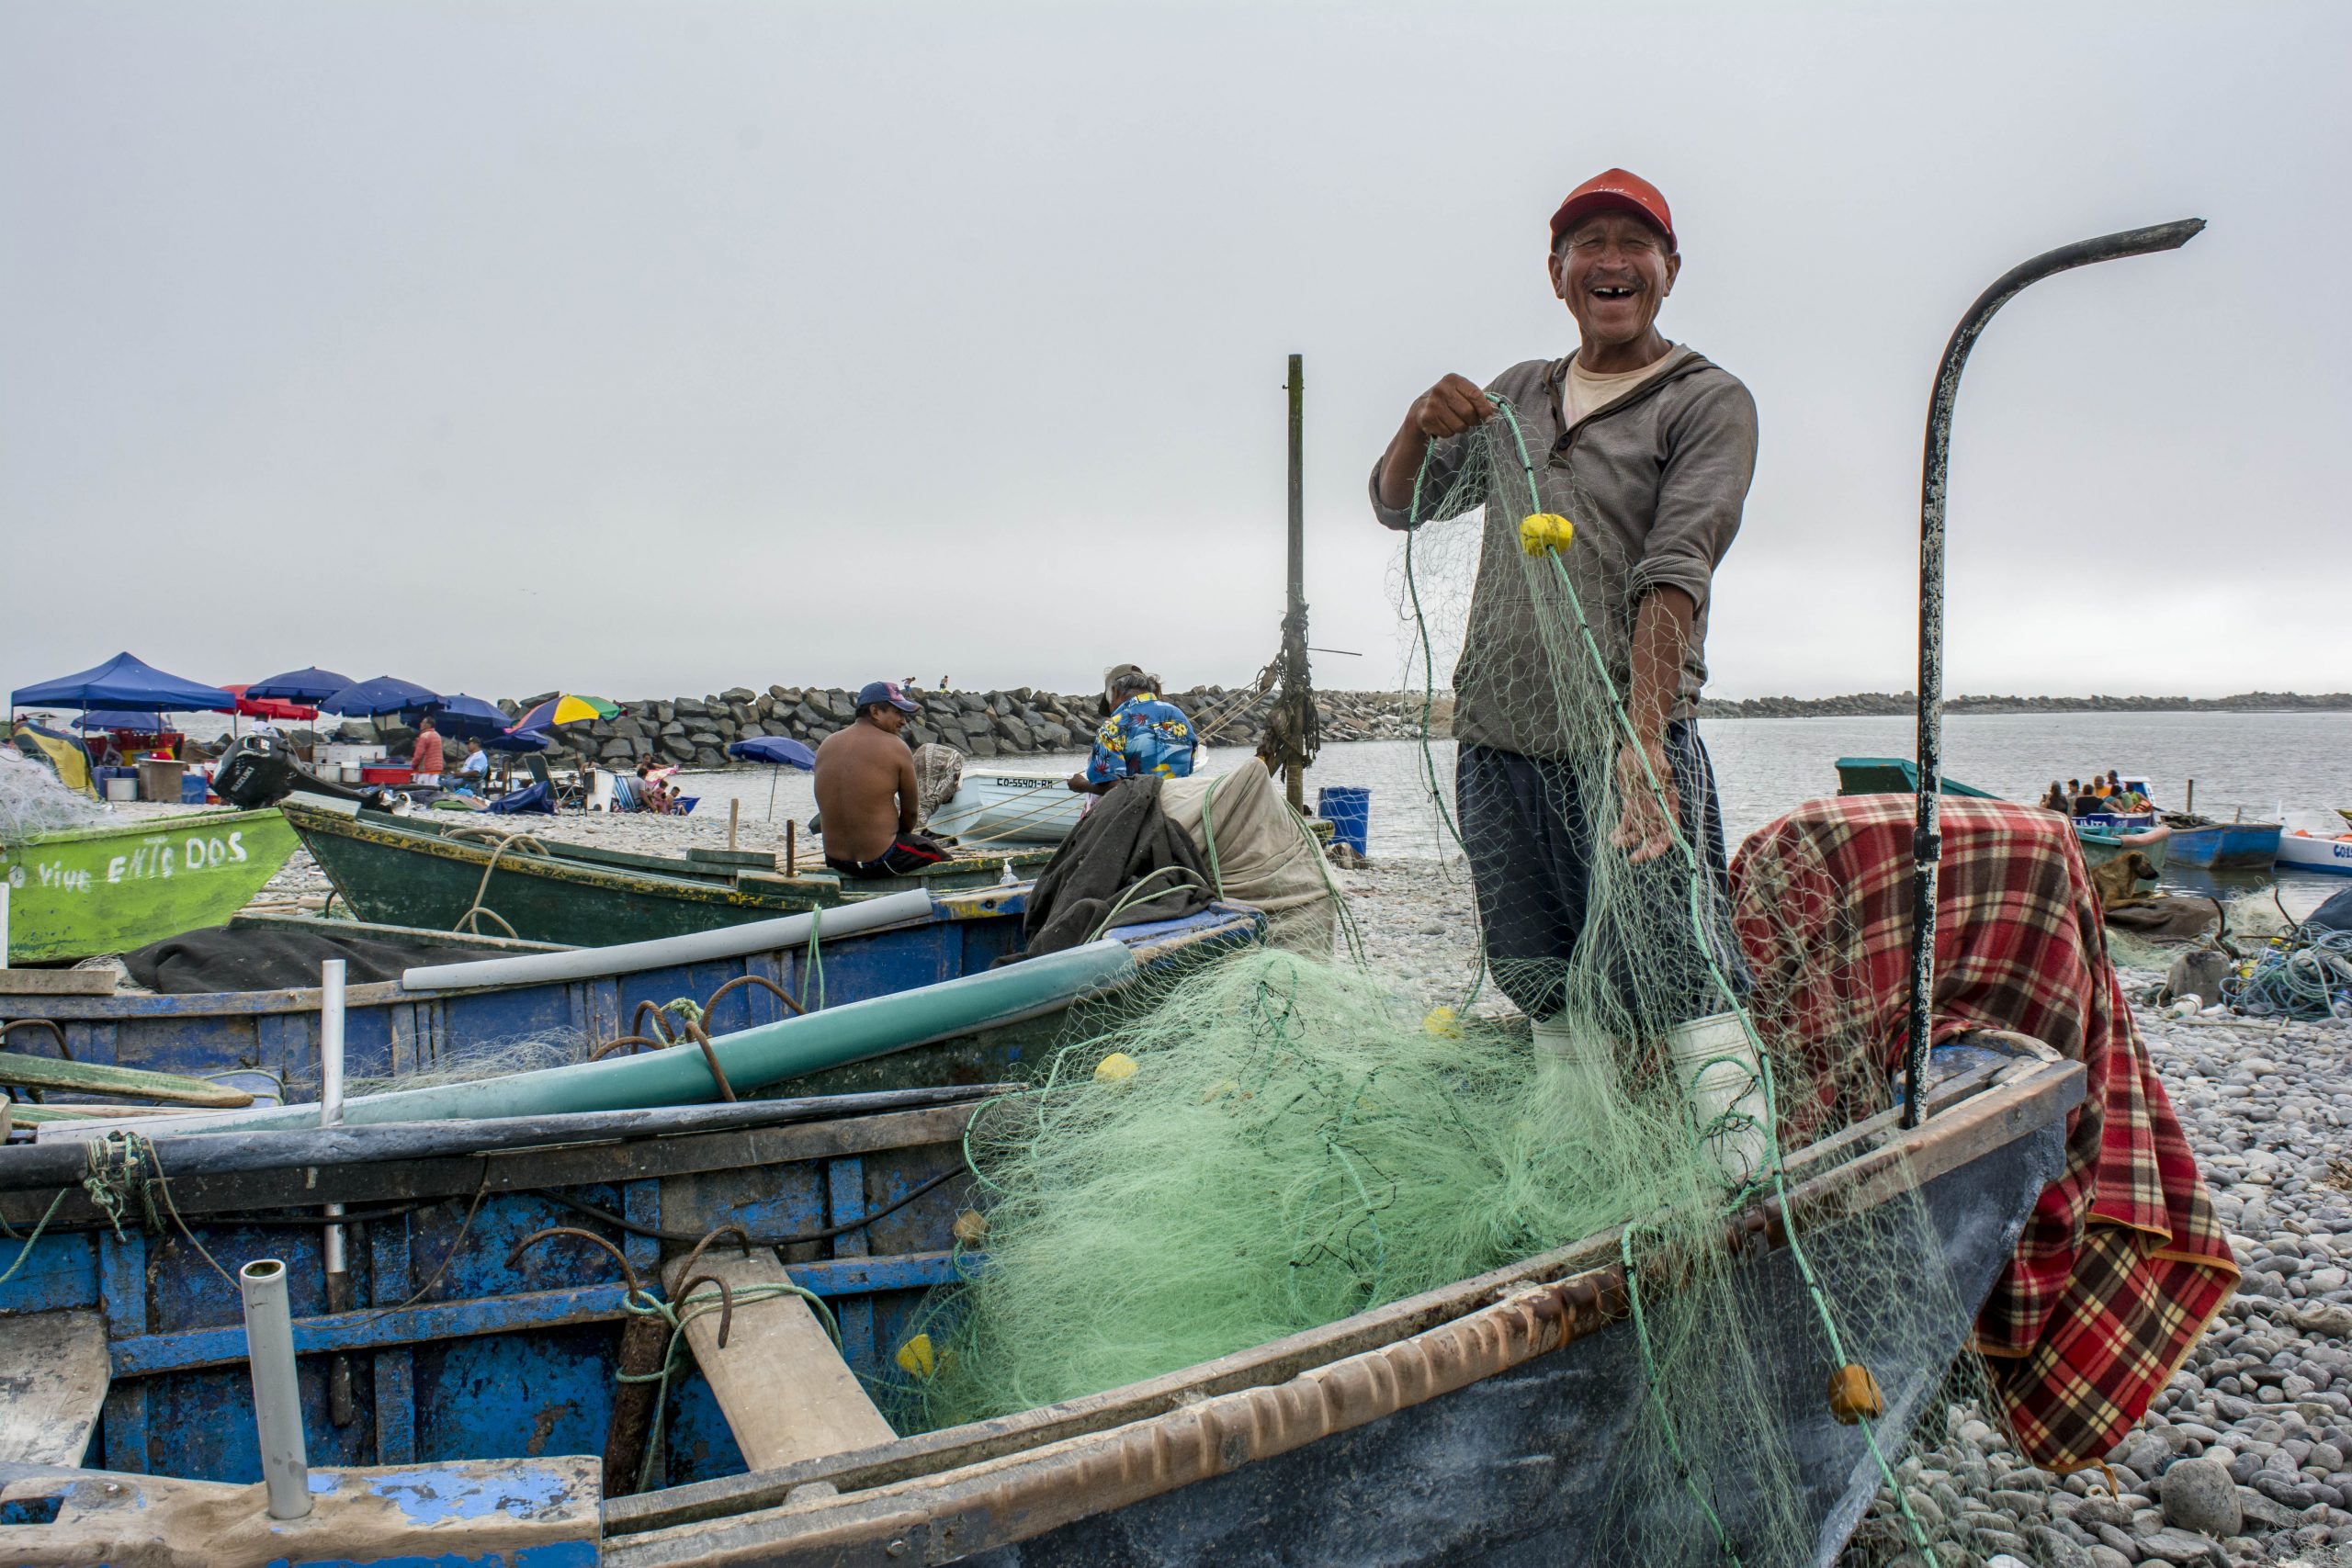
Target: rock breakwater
x: 1023, y: 721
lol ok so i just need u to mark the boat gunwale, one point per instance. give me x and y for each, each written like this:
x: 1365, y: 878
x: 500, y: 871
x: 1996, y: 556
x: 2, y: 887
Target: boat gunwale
x: 579, y: 1161
x: 142, y: 826
x: 1011, y: 1478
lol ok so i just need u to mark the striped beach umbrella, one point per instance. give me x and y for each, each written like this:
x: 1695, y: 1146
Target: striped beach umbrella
x: 565, y: 707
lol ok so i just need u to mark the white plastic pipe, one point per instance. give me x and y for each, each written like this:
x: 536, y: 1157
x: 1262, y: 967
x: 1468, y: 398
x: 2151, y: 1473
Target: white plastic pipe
x: 4, y: 923
x: 277, y: 1404
x: 628, y: 957
x: 331, y: 1013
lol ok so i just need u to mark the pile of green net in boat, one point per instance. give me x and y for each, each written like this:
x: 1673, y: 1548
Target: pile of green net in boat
x: 1276, y: 1143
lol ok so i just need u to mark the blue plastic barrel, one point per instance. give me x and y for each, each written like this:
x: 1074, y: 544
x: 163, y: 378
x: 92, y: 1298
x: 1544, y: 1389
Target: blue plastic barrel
x: 1349, y: 810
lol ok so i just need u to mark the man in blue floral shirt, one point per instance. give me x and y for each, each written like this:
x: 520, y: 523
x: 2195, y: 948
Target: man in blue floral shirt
x: 1140, y: 734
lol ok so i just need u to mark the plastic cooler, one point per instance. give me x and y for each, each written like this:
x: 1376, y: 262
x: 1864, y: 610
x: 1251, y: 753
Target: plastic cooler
x: 385, y: 772
x: 194, y: 787
x: 1349, y: 810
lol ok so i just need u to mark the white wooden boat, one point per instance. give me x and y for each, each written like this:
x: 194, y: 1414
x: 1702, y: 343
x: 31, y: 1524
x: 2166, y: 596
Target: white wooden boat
x: 999, y: 808
x: 2313, y: 851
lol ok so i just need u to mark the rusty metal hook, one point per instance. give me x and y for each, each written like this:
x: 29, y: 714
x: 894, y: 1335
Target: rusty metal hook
x: 711, y: 1056
x: 688, y: 1278
x: 636, y: 1285
x: 609, y: 1046
x: 787, y: 997
x: 64, y: 1052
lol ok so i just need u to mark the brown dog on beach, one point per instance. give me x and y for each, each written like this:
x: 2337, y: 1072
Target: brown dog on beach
x: 2117, y: 884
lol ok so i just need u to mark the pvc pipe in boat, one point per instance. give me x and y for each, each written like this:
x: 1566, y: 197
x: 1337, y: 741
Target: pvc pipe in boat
x: 331, y: 1012
x: 628, y: 957
x: 277, y: 1405
x: 751, y: 1058
x: 330, y: 974
x: 3, y: 924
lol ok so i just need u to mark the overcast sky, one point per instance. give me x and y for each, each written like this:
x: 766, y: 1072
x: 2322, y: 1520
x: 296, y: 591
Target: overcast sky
x: 646, y: 348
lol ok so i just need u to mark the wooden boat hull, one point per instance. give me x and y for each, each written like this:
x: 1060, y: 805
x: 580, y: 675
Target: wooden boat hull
x: 2227, y: 846
x: 998, y: 807
x: 2310, y: 851
x: 951, y: 1011
x: 1450, y: 1427
x: 1894, y: 775
x: 1475, y: 1423
x: 95, y: 890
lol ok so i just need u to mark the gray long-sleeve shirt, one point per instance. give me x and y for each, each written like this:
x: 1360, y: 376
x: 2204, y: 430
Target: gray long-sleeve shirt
x: 1654, y: 482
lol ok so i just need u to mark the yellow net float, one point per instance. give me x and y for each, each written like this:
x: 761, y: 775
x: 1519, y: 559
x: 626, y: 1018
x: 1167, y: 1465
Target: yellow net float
x: 1116, y: 1067
x: 1543, y: 531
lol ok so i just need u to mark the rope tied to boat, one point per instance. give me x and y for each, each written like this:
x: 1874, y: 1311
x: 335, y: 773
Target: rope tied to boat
x: 639, y: 1301
x: 520, y: 843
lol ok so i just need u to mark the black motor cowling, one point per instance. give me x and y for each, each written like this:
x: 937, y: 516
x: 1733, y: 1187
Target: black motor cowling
x: 258, y: 770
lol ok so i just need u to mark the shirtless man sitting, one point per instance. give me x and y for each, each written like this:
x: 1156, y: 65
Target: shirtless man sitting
x: 867, y: 794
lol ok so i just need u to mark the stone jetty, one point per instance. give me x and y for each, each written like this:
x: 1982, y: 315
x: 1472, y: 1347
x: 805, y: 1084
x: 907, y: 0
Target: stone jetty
x: 693, y: 732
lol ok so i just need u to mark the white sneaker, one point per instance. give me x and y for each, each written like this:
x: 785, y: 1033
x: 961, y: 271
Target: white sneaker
x: 1716, y: 1060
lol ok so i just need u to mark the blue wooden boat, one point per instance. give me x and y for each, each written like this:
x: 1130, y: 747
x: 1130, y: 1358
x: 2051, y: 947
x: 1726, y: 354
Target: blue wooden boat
x: 437, y: 1015
x: 1476, y: 1422
x: 2227, y: 846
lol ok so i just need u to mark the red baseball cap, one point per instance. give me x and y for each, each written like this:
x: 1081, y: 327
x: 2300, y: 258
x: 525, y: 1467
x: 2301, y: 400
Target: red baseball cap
x: 1614, y: 190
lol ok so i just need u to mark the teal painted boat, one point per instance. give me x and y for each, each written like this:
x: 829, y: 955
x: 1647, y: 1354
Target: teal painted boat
x: 93, y: 890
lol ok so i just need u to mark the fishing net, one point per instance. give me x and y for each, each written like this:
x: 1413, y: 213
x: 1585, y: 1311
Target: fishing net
x: 32, y: 801
x: 1279, y: 1143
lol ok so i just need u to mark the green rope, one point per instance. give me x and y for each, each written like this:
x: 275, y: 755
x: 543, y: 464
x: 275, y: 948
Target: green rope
x: 26, y: 1250
x: 638, y: 1302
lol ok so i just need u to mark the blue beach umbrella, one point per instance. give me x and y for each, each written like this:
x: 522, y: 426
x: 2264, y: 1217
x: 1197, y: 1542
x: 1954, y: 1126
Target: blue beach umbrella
x: 300, y: 685
x: 385, y: 694
x: 779, y: 752
x: 461, y: 715
x: 124, y: 719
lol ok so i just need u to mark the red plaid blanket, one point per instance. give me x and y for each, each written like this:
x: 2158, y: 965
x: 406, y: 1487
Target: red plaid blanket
x: 2122, y: 1262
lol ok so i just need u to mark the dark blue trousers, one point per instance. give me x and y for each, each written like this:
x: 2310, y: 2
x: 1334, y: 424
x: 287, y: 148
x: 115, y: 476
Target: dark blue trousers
x: 1531, y: 827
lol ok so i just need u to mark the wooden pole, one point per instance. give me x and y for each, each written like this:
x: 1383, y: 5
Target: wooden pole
x: 2190, y: 804
x: 1294, y: 616
x: 791, y: 846
x: 734, y: 820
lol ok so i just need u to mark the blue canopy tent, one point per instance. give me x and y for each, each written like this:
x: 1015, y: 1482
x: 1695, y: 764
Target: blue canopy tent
x: 385, y: 694
x: 779, y: 752
x: 516, y: 740
x: 123, y: 682
x: 300, y: 685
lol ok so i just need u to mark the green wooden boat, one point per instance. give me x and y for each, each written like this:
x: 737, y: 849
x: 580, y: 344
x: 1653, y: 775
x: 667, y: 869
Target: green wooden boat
x: 396, y: 871
x: 93, y: 890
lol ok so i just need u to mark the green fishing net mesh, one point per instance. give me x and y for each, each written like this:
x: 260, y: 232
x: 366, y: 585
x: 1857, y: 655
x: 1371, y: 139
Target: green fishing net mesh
x: 1275, y: 1143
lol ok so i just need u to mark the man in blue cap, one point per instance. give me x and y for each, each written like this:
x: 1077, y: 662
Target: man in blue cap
x: 866, y: 794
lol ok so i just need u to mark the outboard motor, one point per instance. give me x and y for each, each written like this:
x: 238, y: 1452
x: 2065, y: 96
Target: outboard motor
x: 258, y: 770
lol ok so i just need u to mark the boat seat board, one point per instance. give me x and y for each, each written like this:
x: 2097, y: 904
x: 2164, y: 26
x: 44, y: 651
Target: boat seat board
x: 54, y: 1378
x: 781, y: 1382
x: 56, y: 982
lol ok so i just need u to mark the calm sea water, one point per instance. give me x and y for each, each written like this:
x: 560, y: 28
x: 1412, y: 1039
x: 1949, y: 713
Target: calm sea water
x: 2261, y: 763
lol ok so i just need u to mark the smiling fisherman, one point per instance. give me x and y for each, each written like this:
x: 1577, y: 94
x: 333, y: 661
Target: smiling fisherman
x: 1648, y: 447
